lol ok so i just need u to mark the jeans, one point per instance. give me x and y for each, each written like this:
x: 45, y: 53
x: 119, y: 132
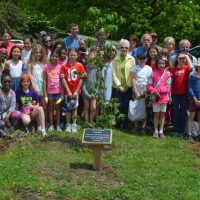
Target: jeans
x: 179, y: 103
x: 123, y: 99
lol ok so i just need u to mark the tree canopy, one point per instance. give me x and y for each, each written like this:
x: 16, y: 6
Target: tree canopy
x: 176, y: 18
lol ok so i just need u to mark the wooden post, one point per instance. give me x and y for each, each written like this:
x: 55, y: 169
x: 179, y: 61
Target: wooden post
x: 97, y: 157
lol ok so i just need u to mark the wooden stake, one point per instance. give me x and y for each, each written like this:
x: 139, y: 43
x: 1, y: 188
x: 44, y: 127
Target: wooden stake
x: 97, y: 157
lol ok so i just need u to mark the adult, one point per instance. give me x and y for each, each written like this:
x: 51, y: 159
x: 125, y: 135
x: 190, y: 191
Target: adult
x: 133, y: 40
x: 47, y: 43
x: 7, y: 103
x: 72, y: 40
x: 169, y: 44
x: 146, y: 41
x: 6, y: 42
x: 122, y: 65
x: 184, y: 46
x: 102, y: 35
x: 154, y: 41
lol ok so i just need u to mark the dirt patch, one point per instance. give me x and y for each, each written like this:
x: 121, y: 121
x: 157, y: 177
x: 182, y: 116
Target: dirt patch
x: 196, y: 149
x: 27, y: 194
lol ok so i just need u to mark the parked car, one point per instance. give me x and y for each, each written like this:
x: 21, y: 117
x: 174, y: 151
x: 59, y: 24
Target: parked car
x: 195, y: 51
x: 19, y: 43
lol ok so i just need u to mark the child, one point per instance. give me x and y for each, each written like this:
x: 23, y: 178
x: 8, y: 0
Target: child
x: 15, y: 66
x: 36, y: 71
x: 194, y: 101
x: 141, y: 75
x: 72, y: 83
x: 3, y: 61
x: 89, y: 98
x: 52, y: 89
x: 180, y: 74
x: 27, y: 104
x: 62, y: 56
x: 152, y: 56
x: 26, y: 52
x: 160, y: 88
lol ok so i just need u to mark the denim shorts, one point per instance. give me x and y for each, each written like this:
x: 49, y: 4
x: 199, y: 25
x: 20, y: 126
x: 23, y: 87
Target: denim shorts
x: 192, y: 107
x: 54, y: 96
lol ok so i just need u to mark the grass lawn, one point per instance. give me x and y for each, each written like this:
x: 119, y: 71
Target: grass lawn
x: 134, y: 167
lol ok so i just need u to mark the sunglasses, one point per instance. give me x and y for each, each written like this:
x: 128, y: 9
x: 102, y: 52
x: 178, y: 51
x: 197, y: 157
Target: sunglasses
x: 124, y: 48
x: 48, y: 41
x: 7, y: 81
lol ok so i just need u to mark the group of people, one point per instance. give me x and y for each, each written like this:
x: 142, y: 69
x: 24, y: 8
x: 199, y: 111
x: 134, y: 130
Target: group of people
x: 45, y: 79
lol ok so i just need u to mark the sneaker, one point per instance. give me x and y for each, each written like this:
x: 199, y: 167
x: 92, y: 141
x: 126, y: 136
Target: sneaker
x: 39, y: 128
x: 155, y: 135
x: 44, y: 134
x: 162, y: 136
x: 74, y: 128
x: 190, y: 139
x: 51, y: 128
x: 58, y: 129
x: 68, y: 128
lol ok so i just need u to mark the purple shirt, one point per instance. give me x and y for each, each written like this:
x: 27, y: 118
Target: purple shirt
x: 23, y: 98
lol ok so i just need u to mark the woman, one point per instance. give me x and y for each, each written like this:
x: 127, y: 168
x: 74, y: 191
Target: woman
x: 122, y: 65
x: 7, y: 102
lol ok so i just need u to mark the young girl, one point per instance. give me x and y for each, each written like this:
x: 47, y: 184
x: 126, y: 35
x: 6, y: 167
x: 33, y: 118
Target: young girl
x: 194, y: 100
x: 152, y: 56
x: 72, y: 83
x: 160, y: 88
x: 15, y: 66
x: 27, y: 104
x: 62, y: 56
x: 36, y: 71
x: 52, y: 89
x: 141, y: 75
x: 180, y: 74
x: 89, y: 99
x: 26, y: 52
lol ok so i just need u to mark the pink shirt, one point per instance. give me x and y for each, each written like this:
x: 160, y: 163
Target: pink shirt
x: 53, y: 78
x: 163, y: 88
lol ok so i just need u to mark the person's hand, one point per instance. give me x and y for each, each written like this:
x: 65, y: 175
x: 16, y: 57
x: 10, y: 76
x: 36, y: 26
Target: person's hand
x: 197, y: 103
x: 137, y: 95
x: 69, y: 94
x: 121, y: 89
x: 75, y: 93
x: 39, y: 94
x: 62, y: 97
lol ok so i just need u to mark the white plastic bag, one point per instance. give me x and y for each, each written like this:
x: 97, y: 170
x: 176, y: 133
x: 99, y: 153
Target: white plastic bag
x: 137, y: 110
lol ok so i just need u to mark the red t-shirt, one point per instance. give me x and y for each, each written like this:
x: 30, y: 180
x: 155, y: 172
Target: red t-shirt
x: 153, y: 66
x: 179, y: 79
x: 71, y: 78
x: 8, y: 48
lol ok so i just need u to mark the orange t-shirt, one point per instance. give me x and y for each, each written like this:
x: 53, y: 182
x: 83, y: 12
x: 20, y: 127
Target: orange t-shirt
x: 71, y: 78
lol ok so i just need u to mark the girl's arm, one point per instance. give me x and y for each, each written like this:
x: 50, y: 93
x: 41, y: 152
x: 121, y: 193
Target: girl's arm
x: 189, y: 62
x: 134, y: 87
x: 78, y: 88
x: 45, y: 84
x: 66, y: 87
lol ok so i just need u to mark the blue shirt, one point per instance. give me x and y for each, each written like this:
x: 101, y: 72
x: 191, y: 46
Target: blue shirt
x: 72, y: 43
x: 138, y: 51
x: 194, y: 87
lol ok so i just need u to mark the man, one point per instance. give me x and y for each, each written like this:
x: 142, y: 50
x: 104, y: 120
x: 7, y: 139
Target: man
x: 154, y: 40
x: 184, y: 46
x: 146, y: 41
x: 72, y: 40
x: 102, y: 35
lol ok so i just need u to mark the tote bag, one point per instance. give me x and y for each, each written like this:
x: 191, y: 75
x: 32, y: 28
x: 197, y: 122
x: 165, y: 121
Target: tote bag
x: 137, y: 110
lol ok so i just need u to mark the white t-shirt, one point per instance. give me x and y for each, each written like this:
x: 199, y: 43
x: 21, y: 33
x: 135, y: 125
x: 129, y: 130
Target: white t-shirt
x: 25, y: 57
x: 15, y: 68
x: 143, y: 76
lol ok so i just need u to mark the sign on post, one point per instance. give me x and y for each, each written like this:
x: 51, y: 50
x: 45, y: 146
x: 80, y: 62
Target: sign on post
x: 97, y: 138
